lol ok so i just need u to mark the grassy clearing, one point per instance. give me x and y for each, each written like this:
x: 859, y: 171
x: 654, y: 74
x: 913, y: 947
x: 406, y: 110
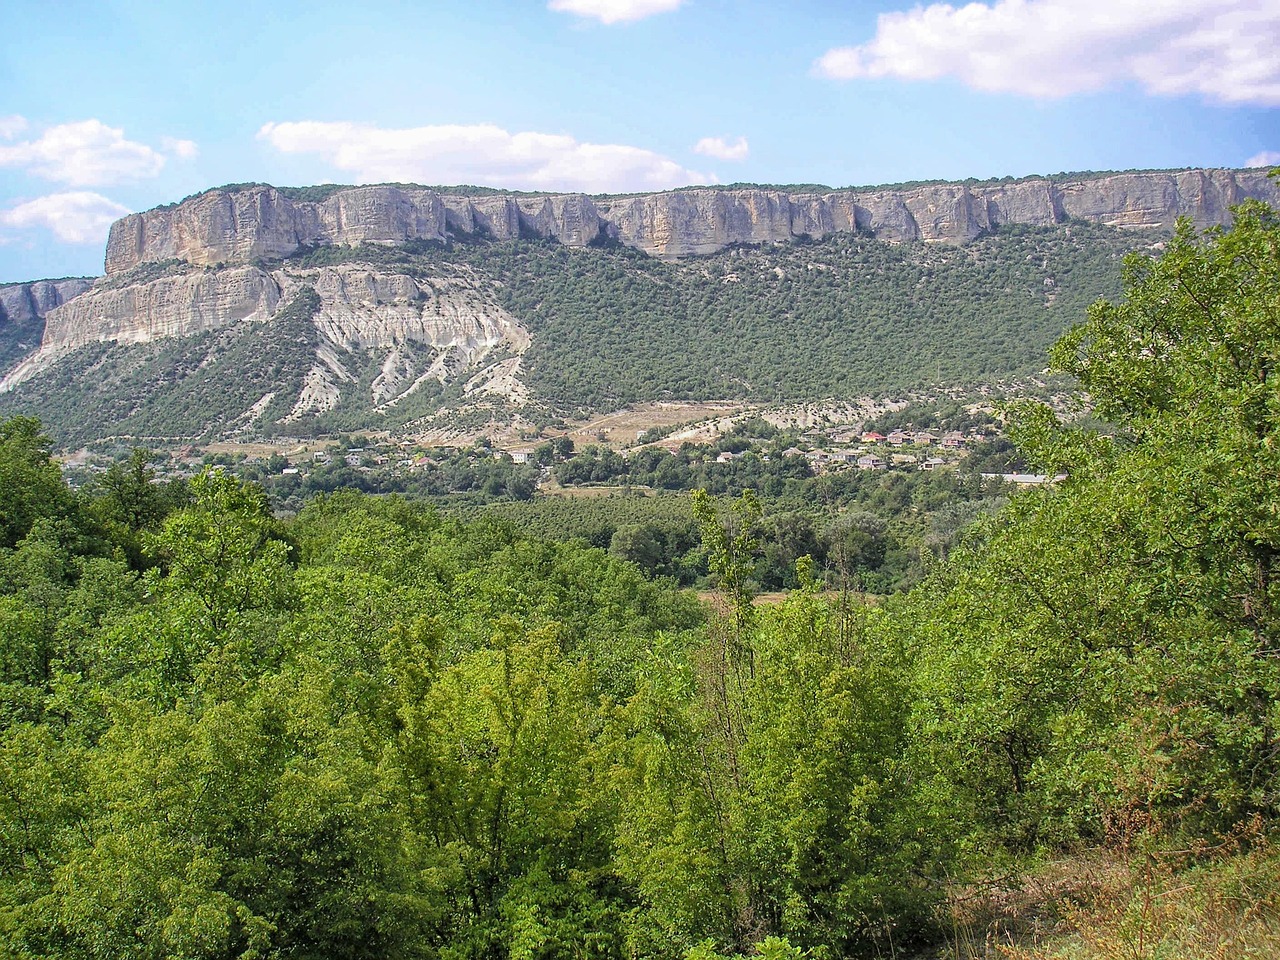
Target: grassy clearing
x: 1171, y: 905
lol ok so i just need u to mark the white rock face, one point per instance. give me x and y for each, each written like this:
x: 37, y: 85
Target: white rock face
x: 437, y: 328
x: 167, y: 307
x: 362, y: 309
x: 449, y: 326
x: 379, y: 215
x: 238, y: 226
x: 28, y: 302
x: 172, y: 306
x: 422, y: 329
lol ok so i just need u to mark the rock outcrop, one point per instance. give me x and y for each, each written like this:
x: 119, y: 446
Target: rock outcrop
x: 417, y: 329
x: 220, y: 259
x: 395, y: 316
x: 171, y: 306
x: 239, y: 225
x: 26, y: 303
x: 23, y: 308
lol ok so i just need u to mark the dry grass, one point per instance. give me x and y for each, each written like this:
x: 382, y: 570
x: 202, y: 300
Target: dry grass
x: 1166, y: 906
x: 553, y: 489
x: 621, y: 428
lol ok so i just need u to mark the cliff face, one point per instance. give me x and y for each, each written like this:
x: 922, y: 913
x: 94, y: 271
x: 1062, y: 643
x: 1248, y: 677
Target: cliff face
x: 23, y: 307
x: 207, y: 263
x: 167, y: 307
x: 237, y: 226
x: 415, y: 330
x: 24, y: 303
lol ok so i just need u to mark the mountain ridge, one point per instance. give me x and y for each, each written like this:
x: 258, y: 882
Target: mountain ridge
x: 243, y: 222
x: 346, y: 307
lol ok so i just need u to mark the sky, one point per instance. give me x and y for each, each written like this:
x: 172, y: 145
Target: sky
x: 114, y: 106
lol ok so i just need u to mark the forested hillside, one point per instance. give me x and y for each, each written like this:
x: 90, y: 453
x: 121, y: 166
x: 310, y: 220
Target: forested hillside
x: 843, y: 317
x: 373, y: 732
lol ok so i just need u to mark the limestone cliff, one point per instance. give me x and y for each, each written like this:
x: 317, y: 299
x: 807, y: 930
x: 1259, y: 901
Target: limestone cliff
x: 169, y: 306
x: 414, y: 329
x: 24, y: 303
x: 239, y: 225
x: 23, y: 307
x: 236, y: 226
x: 418, y: 329
x: 221, y: 260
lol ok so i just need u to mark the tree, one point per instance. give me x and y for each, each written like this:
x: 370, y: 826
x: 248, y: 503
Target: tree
x: 129, y: 503
x: 1131, y: 610
x: 226, y: 583
x: 30, y: 482
x: 639, y: 543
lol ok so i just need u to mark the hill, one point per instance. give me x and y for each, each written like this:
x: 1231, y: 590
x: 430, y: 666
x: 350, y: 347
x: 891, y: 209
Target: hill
x: 248, y: 311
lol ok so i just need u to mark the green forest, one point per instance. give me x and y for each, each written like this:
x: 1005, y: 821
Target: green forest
x: 373, y: 731
x: 612, y: 326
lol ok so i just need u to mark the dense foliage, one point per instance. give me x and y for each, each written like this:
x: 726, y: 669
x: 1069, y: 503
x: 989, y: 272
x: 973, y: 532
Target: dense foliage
x: 877, y: 531
x: 374, y: 732
x: 846, y: 316
x: 1131, y: 614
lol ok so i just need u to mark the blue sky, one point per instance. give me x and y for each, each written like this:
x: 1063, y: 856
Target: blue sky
x: 109, y: 107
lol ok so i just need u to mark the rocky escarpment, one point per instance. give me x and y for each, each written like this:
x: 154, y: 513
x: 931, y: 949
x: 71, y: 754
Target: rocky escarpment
x: 170, y: 306
x: 23, y: 303
x: 238, y: 225
x: 411, y: 330
x: 23, y: 307
x: 417, y: 329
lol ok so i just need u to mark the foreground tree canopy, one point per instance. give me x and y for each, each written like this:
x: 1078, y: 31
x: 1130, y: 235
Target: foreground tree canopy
x: 373, y: 732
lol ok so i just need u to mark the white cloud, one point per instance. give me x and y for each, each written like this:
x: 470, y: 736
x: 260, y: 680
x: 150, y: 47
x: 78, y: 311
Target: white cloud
x: 1267, y: 158
x: 10, y: 127
x: 183, y: 149
x: 480, y: 154
x: 1224, y: 50
x: 719, y: 148
x: 87, y: 153
x: 614, y: 11
x: 75, y: 217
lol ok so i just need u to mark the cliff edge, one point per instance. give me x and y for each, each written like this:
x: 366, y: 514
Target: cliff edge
x: 236, y: 225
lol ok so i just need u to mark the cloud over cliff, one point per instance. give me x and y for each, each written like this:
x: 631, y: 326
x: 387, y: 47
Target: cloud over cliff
x: 75, y: 217
x: 87, y: 153
x: 480, y: 154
